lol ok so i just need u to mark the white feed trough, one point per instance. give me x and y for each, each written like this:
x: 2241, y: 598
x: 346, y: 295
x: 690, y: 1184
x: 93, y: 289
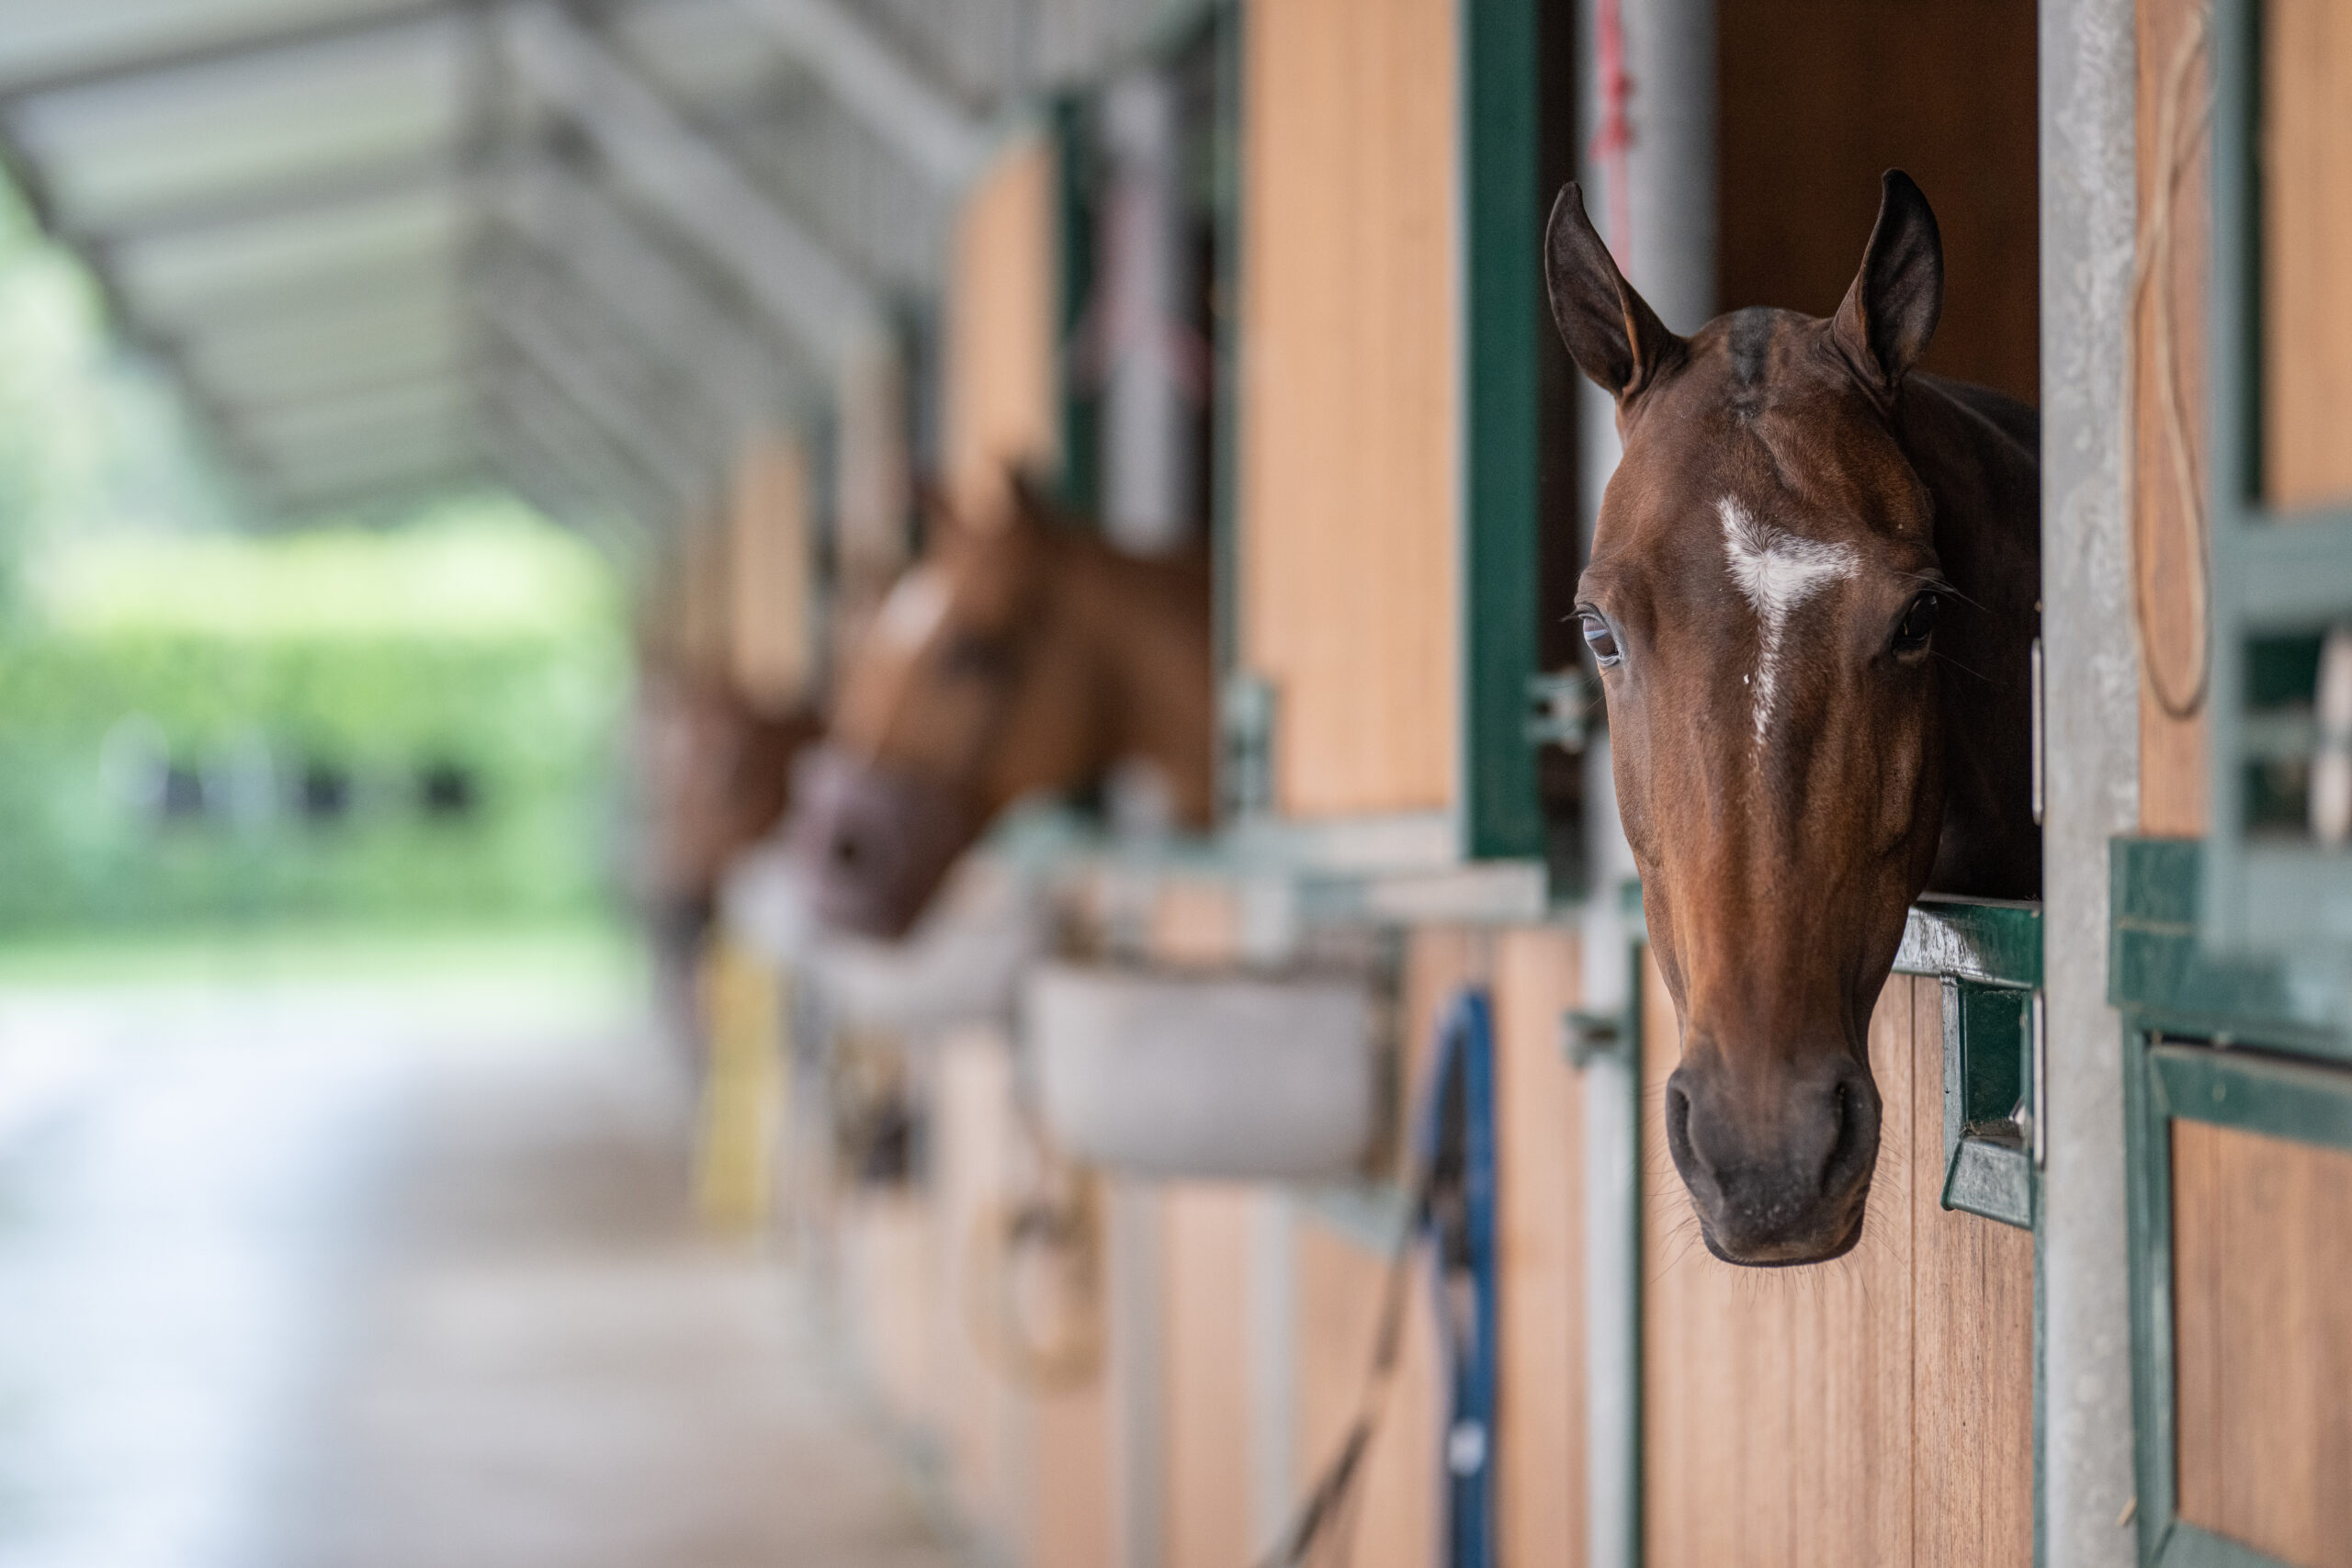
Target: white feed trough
x: 1221, y: 1077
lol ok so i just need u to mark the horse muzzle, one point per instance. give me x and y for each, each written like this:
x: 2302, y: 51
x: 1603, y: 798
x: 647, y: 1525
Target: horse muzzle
x: 873, y: 842
x: 1778, y: 1164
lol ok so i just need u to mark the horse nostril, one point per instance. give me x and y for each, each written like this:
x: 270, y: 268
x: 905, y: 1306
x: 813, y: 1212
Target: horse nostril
x: 1678, y: 1124
x: 847, y: 852
x: 1854, y: 1149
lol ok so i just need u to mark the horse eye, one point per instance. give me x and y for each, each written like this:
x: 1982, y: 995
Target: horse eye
x: 1602, y: 640
x: 1919, y: 623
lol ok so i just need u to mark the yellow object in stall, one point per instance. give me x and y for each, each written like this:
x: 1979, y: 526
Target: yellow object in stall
x: 744, y: 1001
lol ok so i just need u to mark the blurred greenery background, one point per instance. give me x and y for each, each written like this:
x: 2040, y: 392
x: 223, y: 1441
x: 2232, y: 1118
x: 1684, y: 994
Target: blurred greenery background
x: 367, y: 722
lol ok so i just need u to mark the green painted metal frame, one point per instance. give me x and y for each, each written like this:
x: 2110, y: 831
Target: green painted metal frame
x: 1987, y: 952
x: 2270, y: 574
x: 1080, y: 483
x: 1502, y: 326
x: 2203, y: 1041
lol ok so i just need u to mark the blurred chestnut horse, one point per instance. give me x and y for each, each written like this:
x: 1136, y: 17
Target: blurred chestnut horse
x: 716, y: 775
x: 1019, y: 655
x: 1812, y: 593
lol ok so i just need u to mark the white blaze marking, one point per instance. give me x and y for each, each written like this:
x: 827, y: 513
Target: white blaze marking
x: 913, y: 610
x: 1777, y: 572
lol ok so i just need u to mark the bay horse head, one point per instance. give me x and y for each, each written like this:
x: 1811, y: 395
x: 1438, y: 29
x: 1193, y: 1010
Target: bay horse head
x: 1019, y: 655
x: 1811, y: 593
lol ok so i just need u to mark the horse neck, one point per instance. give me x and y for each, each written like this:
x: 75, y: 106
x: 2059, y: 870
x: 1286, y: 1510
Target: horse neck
x: 1977, y: 452
x: 1142, y: 626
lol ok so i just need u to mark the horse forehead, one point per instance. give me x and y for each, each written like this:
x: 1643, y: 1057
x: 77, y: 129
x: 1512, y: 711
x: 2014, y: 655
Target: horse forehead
x: 1777, y: 568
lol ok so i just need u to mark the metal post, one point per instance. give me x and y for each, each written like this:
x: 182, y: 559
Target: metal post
x: 1138, y: 337
x: 2088, y: 210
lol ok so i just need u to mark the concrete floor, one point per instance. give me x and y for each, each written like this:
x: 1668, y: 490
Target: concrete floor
x: 384, y: 1275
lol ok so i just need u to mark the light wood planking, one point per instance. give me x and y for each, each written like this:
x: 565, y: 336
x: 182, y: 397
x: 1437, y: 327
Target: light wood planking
x: 886, y: 1289
x: 1340, y: 1284
x: 1069, y: 1501
x: 972, y: 1153
x: 1350, y: 397
x: 1838, y: 1414
x: 1002, y: 398
x: 2169, y: 552
x: 768, y: 631
x: 1972, y: 1338
x: 2263, y: 1341
x: 1195, y: 924
x: 2307, y: 233
x: 1206, y: 1231
x: 1539, y: 1435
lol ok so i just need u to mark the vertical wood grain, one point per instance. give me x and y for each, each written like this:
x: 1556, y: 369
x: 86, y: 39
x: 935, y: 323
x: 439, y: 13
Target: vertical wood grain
x: 1349, y: 458
x: 1003, y: 384
x: 769, y: 576
x: 1206, y: 1231
x: 2307, y: 233
x: 2262, y: 1303
x: 972, y: 1155
x: 1540, y: 1426
x: 1973, y: 1336
x: 1876, y: 1410
x: 1195, y: 922
x: 1340, y: 1284
x: 2168, y: 553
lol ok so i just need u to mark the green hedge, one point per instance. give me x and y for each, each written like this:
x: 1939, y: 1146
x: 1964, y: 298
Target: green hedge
x: 96, y: 706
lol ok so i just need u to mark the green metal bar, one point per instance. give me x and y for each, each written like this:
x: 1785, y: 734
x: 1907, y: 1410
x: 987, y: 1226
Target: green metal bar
x: 1997, y: 941
x: 1080, y: 484
x: 2271, y: 1095
x: 2187, y: 1546
x: 1503, y: 320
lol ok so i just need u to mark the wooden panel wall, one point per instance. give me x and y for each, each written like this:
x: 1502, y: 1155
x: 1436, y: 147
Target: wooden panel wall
x: 2170, y: 324
x: 1339, y: 1295
x: 2263, y: 1324
x: 1001, y: 391
x: 1819, y: 97
x: 1350, y: 397
x: 1877, y: 1410
x: 1029, y: 1468
x: 1206, y: 1369
x: 1540, y: 1428
x: 2307, y: 234
x: 769, y: 574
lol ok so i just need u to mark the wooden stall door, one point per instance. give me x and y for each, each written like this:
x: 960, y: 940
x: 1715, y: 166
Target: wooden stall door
x: 2262, y: 1303
x: 1875, y: 1411
x: 1349, y: 451
x: 1540, y: 1426
x: 1002, y: 381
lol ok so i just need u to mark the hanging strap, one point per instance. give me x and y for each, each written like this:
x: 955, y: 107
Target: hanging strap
x: 1459, y: 1218
x: 1453, y: 1176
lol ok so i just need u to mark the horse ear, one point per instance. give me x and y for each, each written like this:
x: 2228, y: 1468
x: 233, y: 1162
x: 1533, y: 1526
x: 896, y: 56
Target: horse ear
x: 1611, y: 331
x: 1890, y: 311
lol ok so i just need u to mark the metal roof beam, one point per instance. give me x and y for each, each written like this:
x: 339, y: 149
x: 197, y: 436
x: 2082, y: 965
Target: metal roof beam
x: 907, y: 111
x: 622, y: 420
x: 188, y: 53
x: 545, y: 483
x: 568, y: 220
x: 575, y: 343
x: 522, y: 397
x: 674, y: 170
x: 310, y: 191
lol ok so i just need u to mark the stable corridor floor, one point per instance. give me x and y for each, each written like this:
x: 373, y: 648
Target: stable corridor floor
x: 394, y: 1275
